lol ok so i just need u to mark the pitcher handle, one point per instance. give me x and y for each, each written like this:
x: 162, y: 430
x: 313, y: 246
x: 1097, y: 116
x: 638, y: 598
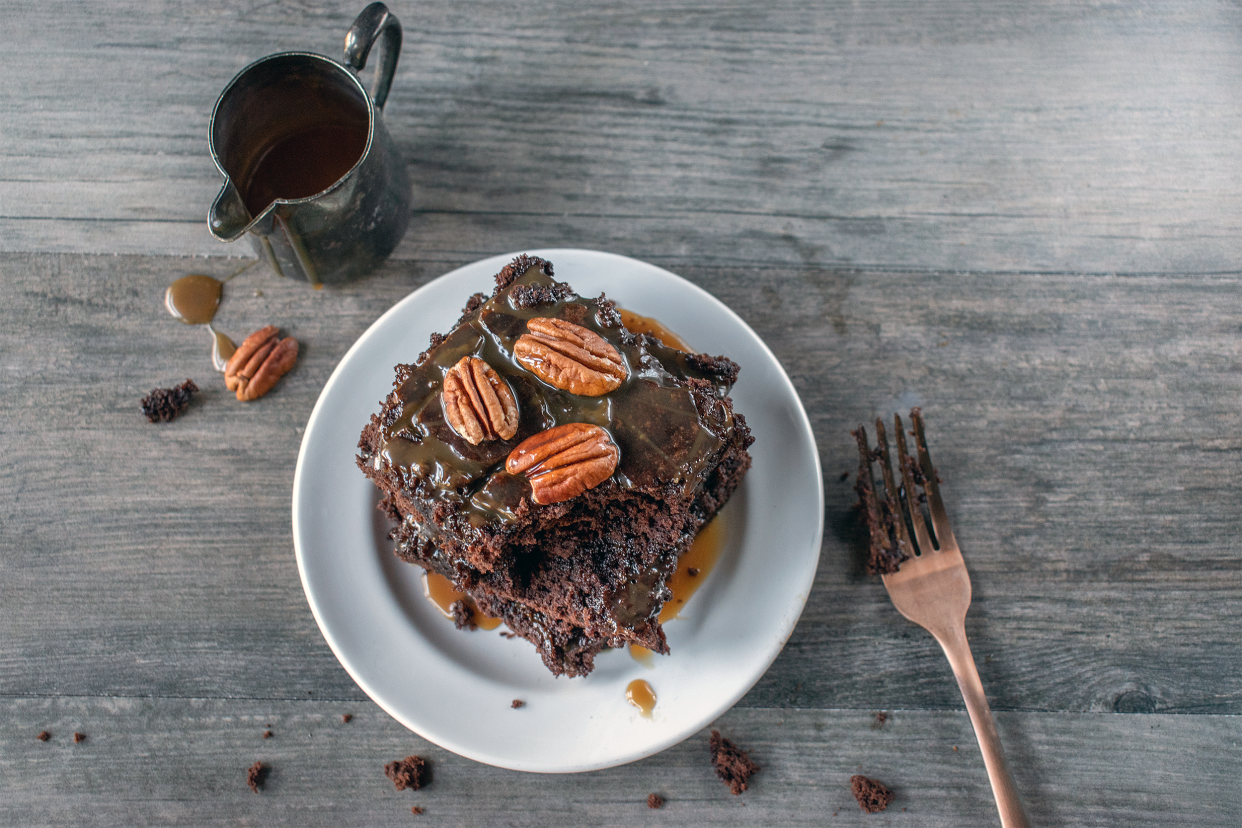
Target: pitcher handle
x: 375, y: 22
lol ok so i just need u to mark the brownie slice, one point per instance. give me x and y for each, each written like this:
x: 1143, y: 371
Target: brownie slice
x: 589, y: 572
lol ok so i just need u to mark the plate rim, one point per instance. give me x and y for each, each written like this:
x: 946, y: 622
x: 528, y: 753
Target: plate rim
x: 803, y: 589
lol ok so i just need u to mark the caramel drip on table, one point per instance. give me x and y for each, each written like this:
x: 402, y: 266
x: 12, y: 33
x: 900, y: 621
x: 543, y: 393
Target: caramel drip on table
x: 441, y: 592
x: 221, y: 349
x: 646, y: 325
x: 194, y: 299
x: 640, y: 694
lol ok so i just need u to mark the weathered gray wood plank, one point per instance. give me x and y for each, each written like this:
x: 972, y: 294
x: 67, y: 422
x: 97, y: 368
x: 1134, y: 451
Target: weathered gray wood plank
x: 951, y: 136
x: 1086, y: 428
x: 183, y: 762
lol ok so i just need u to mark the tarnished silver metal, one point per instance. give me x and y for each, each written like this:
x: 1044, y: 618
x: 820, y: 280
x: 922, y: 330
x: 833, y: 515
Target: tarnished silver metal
x: 348, y: 228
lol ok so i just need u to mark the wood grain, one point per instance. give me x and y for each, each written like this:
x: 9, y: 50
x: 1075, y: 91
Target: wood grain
x: 183, y: 762
x: 1022, y: 217
x: 1086, y: 429
x: 954, y: 136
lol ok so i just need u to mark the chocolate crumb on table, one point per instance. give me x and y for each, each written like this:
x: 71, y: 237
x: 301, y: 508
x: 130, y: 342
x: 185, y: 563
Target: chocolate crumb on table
x: 416, y: 810
x: 412, y: 772
x: 517, y: 703
x: 346, y: 717
x: 881, y: 719
x: 872, y: 795
x: 267, y: 734
x: 43, y: 736
x: 256, y: 776
x: 732, y: 764
x: 164, y: 404
x: 79, y: 738
x: 655, y: 801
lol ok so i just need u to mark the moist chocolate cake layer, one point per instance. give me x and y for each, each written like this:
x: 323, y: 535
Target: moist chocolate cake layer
x: 576, y: 576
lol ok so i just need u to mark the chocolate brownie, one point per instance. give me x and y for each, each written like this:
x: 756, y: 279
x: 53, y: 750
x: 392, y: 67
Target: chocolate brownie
x: 554, y: 465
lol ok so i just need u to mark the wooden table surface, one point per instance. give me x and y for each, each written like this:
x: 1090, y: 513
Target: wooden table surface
x: 1024, y: 217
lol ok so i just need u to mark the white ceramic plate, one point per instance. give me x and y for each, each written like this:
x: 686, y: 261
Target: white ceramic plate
x: 455, y: 688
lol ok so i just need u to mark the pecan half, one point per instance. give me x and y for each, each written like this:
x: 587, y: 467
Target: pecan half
x: 259, y: 362
x: 564, y: 461
x: 570, y: 357
x: 478, y: 404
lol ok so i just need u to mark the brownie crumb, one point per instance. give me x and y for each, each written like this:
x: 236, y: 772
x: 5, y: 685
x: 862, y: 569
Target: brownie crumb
x: 412, y: 772
x: 256, y: 776
x: 267, y: 734
x: 79, y: 738
x: 517, y: 703
x: 845, y: 475
x: 508, y: 635
x: 872, y: 795
x: 463, y: 616
x: 655, y: 801
x: 164, y: 404
x: 693, y: 572
x: 881, y: 719
x: 416, y: 810
x: 732, y: 764
x: 346, y: 717
x: 43, y: 736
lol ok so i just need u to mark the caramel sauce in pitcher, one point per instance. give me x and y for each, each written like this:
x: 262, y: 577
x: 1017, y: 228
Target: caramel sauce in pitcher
x: 305, y: 163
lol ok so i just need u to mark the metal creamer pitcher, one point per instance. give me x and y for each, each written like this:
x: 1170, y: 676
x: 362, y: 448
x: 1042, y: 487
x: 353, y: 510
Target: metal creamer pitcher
x: 312, y: 176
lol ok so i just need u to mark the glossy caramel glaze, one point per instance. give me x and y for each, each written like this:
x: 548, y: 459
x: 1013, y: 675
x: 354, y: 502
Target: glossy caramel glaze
x: 664, y: 440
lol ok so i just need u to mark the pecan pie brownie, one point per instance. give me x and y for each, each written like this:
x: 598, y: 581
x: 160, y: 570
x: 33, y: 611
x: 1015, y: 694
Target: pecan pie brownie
x: 553, y: 465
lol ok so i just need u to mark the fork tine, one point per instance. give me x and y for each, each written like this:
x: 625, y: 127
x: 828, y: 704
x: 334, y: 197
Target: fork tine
x: 940, y: 518
x: 912, y: 503
x: 890, y: 491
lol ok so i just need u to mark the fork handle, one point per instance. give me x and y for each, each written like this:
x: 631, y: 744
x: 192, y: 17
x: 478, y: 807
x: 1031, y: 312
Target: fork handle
x: 956, y: 648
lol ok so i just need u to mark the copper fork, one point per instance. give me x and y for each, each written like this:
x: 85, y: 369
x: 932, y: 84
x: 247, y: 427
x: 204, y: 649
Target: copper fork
x: 932, y: 588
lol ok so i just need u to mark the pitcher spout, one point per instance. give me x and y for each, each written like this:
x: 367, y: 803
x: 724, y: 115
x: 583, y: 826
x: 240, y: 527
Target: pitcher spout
x: 228, y: 217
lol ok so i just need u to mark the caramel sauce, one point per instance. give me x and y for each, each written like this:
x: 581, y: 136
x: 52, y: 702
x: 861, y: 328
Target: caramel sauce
x: 701, y: 558
x: 640, y: 694
x: 194, y: 299
x: 305, y: 163
x: 642, y: 655
x: 441, y: 592
x: 221, y: 349
x: 646, y: 325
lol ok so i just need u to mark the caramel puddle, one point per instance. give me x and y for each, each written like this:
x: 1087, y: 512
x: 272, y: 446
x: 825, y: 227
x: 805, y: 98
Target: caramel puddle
x: 194, y: 299
x: 640, y: 694
x: 700, y: 560
x: 441, y: 593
